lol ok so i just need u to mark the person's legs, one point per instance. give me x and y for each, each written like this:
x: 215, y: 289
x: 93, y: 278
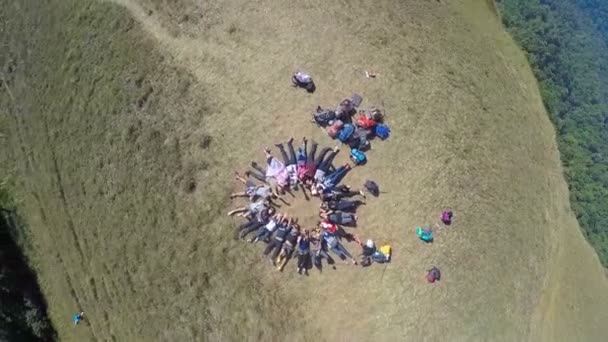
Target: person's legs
x: 251, y: 228
x: 292, y: 152
x: 311, y: 154
x: 319, y: 159
x: 326, y: 164
x: 283, y: 153
x: 271, y: 245
x: 239, y: 194
x: 238, y: 210
x: 339, y: 249
x: 336, y: 176
x: 258, y: 176
x: 257, y: 167
x: 340, y: 195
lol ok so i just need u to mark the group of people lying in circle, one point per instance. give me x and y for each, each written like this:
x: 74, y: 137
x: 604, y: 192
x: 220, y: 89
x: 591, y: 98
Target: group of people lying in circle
x: 314, y: 175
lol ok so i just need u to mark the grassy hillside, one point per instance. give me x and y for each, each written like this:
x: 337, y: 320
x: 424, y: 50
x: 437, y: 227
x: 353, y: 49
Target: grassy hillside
x: 124, y: 121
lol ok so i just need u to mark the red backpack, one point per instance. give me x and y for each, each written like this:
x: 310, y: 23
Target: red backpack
x: 364, y: 122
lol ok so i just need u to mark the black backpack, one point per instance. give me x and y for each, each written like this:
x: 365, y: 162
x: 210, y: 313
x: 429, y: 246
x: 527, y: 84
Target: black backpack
x: 324, y: 117
x: 372, y: 187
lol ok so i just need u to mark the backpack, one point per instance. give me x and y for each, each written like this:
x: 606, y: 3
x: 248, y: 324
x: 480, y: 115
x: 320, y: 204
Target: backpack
x: 424, y: 234
x: 334, y: 129
x: 346, y: 132
x: 324, y: 117
x: 446, y: 217
x: 372, y: 187
x: 357, y: 157
x: 382, y: 131
x: 364, y: 122
x: 433, y: 275
x: 386, y: 250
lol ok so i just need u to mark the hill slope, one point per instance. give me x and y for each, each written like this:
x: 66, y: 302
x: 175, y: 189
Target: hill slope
x: 123, y: 128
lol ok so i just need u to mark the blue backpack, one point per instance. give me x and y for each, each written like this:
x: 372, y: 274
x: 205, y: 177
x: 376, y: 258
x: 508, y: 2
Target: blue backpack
x: 382, y: 131
x: 357, y: 156
x: 424, y: 234
x: 346, y: 132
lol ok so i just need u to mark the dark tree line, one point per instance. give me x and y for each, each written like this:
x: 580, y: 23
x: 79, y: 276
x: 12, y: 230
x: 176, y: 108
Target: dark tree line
x: 23, y: 315
x: 566, y: 43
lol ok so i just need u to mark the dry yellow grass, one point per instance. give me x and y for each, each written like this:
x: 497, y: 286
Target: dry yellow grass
x: 104, y: 157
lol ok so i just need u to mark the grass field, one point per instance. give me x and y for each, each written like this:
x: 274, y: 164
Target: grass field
x: 122, y: 122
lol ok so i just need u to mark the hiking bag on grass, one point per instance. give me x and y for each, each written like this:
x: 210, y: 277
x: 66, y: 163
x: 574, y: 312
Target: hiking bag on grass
x: 324, y: 117
x: 357, y: 157
x: 335, y: 128
x: 364, y: 122
x: 424, y: 234
x: 372, y: 187
x: 356, y: 100
x: 346, y: 132
x: 446, y: 217
x: 382, y: 131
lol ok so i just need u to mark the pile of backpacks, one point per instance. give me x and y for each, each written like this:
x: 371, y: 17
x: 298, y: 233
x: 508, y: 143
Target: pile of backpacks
x: 352, y: 126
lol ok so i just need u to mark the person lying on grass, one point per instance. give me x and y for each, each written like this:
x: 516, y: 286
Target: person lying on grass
x: 256, y: 222
x: 291, y: 163
x: 288, y: 247
x: 334, y: 245
x: 318, y: 250
x: 251, y: 190
x: 276, y: 173
x: 341, y: 205
x: 339, y: 192
x: 274, y: 246
x: 303, y: 251
x: 266, y: 231
x: 251, y: 209
x: 332, y: 180
x: 339, y: 217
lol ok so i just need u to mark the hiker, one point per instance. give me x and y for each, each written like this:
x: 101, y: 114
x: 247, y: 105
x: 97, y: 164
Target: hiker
x: 323, y: 165
x: 279, y: 237
x: 367, y: 251
x: 251, y: 209
x: 288, y: 247
x: 341, y: 205
x: 341, y: 191
x: 291, y: 162
x: 433, y: 275
x: 78, y: 317
x: 334, y: 178
x: 339, y: 217
x: 303, y: 250
x: 251, y: 190
x: 335, y: 246
x: 256, y: 222
x: 266, y: 231
x: 318, y: 251
x: 308, y: 164
x: 303, y: 80
x: 276, y: 169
